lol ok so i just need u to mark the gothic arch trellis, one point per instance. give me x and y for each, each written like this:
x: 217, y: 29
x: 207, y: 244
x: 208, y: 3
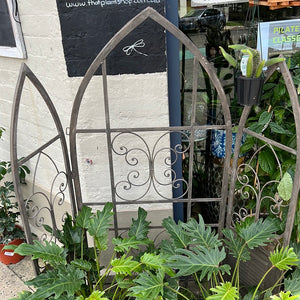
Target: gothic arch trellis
x: 71, y: 179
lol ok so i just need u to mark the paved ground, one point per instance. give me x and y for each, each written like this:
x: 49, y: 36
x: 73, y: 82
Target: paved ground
x: 12, y: 278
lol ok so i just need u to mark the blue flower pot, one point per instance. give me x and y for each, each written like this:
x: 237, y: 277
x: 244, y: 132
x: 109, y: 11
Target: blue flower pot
x: 218, y: 142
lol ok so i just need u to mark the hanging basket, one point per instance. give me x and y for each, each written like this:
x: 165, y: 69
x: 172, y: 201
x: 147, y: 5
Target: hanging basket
x: 249, y: 90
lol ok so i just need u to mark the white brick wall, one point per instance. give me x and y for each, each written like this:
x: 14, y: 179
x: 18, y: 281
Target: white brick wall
x: 136, y: 100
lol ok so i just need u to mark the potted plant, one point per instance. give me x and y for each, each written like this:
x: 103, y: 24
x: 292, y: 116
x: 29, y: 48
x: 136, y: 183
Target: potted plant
x: 10, y: 232
x: 140, y: 270
x: 250, y: 83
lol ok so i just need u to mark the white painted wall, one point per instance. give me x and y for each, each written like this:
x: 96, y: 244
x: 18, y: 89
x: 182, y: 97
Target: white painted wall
x: 136, y: 100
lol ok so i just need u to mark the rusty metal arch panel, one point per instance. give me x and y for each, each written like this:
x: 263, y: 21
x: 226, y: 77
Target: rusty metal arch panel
x: 100, y: 62
x: 237, y: 172
x: 28, y: 208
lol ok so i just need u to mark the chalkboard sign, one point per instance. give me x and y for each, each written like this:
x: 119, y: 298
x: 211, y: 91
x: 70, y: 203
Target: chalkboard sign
x: 11, y: 37
x: 6, y: 32
x: 88, y: 25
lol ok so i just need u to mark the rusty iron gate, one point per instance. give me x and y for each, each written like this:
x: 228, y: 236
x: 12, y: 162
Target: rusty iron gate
x: 67, y: 178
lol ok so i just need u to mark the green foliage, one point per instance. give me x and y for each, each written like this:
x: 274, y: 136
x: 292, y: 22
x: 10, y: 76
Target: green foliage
x: 8, y: 206
x: 225, y: 291
x: 193, y: 250
x: 48, y: 252
x: 254, y: 64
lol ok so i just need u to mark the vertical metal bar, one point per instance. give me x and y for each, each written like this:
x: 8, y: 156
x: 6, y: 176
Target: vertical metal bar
x: 14, y: 158
x: 296, y: 185
x: 235, y: 160
x: 109, y: 146
x: 192, y: 139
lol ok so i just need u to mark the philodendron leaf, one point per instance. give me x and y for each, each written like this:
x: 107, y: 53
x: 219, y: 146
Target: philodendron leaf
x: 124, y: 245
x: 124, y: 265
x: 235, y: 245
x: 202, y: 236
x: 81, y: 264
x: 57, y: 282
x: 284, y: 296
x: 99, y: 223
x: 83, y: 217
x: 139, y: 227
x: 22, y: 296
x: 258, y: 233
x: 148, y: 286
x: 206, y: 261
x: 48, y: 252
x: 155, y: 262
x: 95, y: 295
x: 285, y: 186
x: 225, y: 291
x: 284, y: 258
x: 177, y: 233
x: 293, y: 283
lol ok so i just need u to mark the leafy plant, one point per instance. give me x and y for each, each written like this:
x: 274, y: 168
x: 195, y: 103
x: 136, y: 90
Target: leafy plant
x: 139, y: 270
x: 275, y: 120
x: 8, y: 207
x: 255, y: 65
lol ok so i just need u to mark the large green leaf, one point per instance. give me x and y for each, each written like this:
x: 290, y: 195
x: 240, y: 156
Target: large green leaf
x: 57, y: 282
x: 49, y: 252
x: 258, y: 233
x: 265, y: 118
x: 284, y: 258
x: 95, y: 295
x: 124, y: 265
x: 206, y: 261
x: 155, y: 262
x: 124, y: 245
x: 139, y: 227
x: 177, y: 234
x: 276, y: 128
x: 71, y: 235
x: 235, y: 245
x: 225, y: 291
x: 81, y: 264
x: 284, y: 296
x: 148, y: 286
x: 267, y: 161
x: 202, y: 236
x: 293, y: 283
x: 83, y: 217
x: 167, y: 248
x: 99, y: 225
x: 285, y: 186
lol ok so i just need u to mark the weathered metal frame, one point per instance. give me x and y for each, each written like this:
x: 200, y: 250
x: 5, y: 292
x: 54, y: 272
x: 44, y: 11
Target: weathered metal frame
x: 243, y: 130
x: 100, y: 61
x: 72, y: 174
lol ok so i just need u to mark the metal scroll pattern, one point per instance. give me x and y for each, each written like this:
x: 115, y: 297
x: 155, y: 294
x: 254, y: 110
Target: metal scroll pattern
x: 150, y: 168
x: 250, y: 187
x: 41, y: 206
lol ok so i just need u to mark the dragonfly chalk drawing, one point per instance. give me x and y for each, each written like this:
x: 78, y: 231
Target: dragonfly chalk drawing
x: 138, y: 44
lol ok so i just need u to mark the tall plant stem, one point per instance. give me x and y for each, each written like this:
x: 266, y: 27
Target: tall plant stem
x: 235, y: 275
x: 106, y: 272
x: 81, y: 246
x: 200, y: 285
x: 96, y: 258
x: 178, y: 293
x: 262, y: 279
